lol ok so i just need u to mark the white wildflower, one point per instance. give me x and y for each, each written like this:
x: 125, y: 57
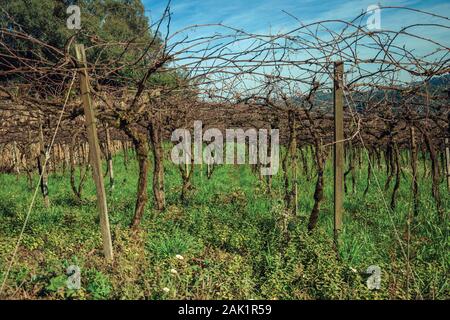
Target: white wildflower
x: 166, y: 290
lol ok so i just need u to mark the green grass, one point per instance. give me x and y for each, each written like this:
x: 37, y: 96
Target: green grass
x: 232, y: 237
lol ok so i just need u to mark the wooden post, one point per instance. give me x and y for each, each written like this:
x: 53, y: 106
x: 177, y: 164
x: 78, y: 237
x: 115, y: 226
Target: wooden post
x: 109, y: 158
x: 43, y: 170
x: 447, y: 157
x: 338, y: 147
x: 94, y: 148
x: 125, y: 154
x: 294, y: 162
x: 447, y: 149
x: 415, y: 185
x: 16, y: 159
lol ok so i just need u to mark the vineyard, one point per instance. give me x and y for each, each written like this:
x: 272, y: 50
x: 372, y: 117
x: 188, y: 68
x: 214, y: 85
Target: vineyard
x: 360, y: 179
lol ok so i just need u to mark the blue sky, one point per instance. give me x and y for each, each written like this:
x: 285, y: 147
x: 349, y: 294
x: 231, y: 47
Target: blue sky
x: 266, y: 16
x: 263, y: 17
x: 257, y: 16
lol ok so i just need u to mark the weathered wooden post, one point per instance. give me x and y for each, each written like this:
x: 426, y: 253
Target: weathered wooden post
x: 447, y: 147
x: 43, y: 170
x: 415, y: 185
x: 447, y: 157
x: 338, y: 146
x: 109, y: 158
x: 94, y: 148
x: 16, y: 160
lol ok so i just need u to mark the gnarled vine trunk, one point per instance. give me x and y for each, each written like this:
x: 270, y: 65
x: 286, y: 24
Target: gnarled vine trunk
x: 141, y: 145
x: 158, y: 161
x: 434, y: 171
x: 318, y: 192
